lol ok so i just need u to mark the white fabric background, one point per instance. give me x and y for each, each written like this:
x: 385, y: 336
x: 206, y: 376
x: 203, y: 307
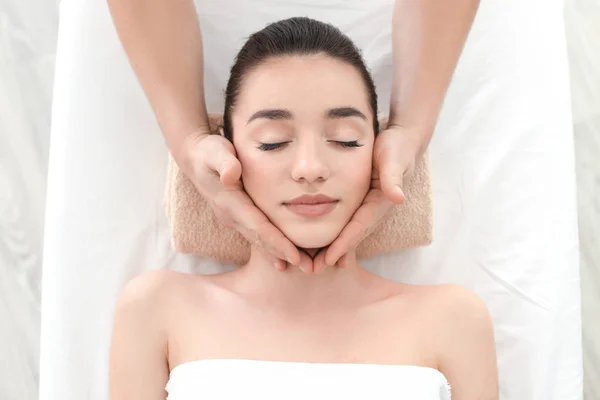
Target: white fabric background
x: 504, y: 184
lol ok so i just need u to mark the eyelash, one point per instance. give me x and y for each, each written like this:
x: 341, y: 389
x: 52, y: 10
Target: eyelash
x: 275, y: 146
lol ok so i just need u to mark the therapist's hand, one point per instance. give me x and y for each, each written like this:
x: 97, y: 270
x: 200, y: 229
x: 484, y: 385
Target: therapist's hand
x: 213, y: 167
x: 395, y: 153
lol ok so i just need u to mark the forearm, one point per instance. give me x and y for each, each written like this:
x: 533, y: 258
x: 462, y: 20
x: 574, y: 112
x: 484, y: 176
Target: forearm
x: 163, y: 43
x: 427, y: 40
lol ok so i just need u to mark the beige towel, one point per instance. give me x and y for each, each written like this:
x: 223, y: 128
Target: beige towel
x: 195, y: 229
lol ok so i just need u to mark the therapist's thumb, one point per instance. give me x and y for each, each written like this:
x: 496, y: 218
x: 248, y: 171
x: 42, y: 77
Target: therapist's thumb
x: 230, y: 172
x: 224, y: 162
x: 391, y: 180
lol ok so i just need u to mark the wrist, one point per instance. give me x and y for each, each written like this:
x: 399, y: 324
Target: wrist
x: 416, y: 115
x: 185, y: 152
x: 415, y: 136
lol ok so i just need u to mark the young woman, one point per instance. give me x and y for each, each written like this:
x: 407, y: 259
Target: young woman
x: 301, y: 112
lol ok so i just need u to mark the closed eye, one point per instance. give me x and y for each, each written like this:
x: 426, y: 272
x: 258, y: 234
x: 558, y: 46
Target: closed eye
x: 275, y: 146
x: 353, y: 143
x: 271, y: 146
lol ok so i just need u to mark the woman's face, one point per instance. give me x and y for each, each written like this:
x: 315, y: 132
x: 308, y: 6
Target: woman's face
x: 303, y: 132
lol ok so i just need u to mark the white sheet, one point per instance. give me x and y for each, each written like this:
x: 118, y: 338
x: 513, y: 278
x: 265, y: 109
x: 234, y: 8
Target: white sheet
x: 504, y: 184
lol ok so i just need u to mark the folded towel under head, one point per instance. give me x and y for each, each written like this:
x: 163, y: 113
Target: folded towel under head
x: 196, y: 230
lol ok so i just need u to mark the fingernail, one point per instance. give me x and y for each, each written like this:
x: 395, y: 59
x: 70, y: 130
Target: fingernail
x: 399, y: 189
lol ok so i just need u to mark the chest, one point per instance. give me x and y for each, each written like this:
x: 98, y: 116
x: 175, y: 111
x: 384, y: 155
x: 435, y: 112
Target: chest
x: 386, y: 333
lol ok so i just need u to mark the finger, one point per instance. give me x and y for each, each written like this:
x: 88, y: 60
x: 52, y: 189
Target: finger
x: 391, y: 179
x: 306, y: 263
x: 280, y: 264
x: 231, y: 172
x: 256, y: 227
x: 347, y: 240
x: 343, y: 261
x: 319, y: 263
x: 277, y: 263
x: 219, y: 156
x: 364, y: 219
x: 271, y: 238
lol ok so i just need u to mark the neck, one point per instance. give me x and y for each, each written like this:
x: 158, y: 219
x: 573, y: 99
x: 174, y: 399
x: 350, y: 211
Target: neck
x: 292, y: 289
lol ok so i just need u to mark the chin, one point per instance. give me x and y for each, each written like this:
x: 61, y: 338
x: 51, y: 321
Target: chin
x: 315, y: 238
x: 311, y: 244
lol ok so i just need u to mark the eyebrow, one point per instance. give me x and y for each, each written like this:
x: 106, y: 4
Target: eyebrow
x: 344, y: 112
x: 276, y: 114
x: 284, y: 114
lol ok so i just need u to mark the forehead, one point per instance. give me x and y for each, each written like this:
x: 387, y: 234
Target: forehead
x: 301, y: 82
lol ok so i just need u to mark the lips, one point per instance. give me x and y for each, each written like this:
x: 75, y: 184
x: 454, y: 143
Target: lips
x: 312, y: 205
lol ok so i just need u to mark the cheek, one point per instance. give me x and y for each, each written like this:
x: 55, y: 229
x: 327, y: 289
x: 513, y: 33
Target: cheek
x: 357, y: 173
x: 259, y: 175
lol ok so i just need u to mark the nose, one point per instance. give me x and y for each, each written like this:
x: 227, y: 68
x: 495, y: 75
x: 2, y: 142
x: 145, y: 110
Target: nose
x: 309, y: 163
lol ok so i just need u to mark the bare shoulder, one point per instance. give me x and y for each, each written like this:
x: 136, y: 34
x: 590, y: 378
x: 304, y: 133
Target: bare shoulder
x: 152, y: 291
x: 148, y: 286
x: 454, y: 301
x: 458, y: 312
x: 464, y: 341
x: 442, y: 299
x: 443, y: 306
x: 138, y: 356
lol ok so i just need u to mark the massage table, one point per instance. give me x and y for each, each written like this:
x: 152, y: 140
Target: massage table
x: 502, y: 163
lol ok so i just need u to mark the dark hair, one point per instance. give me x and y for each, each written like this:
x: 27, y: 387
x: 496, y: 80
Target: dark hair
x: 294, y: 36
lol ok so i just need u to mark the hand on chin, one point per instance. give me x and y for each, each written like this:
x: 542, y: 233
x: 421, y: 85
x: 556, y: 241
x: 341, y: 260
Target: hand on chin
x: 313, y: 260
